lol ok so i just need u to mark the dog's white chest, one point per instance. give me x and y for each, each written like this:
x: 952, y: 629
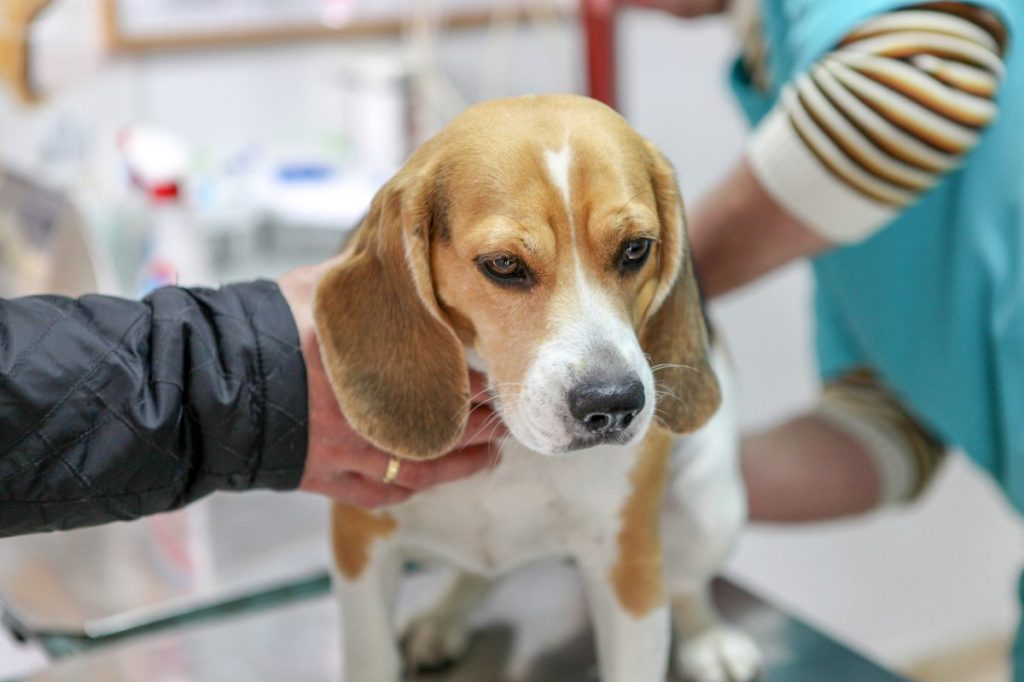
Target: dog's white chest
x: 529, y: 506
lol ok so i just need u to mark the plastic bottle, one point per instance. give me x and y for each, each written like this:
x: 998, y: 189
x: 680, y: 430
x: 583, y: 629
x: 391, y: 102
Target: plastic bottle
x: 174, y: 252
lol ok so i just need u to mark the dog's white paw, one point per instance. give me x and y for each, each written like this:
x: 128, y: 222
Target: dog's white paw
x: 434, y: 641
x: 720, y: 654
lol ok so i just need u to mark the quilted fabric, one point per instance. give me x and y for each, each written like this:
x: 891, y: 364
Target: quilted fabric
x: 113, y: 409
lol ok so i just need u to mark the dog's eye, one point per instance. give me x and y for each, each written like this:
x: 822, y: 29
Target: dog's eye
x: 635, y: 252
x: 504, y: 269
x: 503, y: 266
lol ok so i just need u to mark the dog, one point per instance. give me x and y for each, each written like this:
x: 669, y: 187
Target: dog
x: 540, y: 240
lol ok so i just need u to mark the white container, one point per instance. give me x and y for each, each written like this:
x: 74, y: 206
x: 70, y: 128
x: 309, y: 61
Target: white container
x: 375, y: 104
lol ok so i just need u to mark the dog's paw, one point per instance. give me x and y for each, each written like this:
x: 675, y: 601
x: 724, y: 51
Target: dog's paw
x: 433, y: 642
x: 720, y: 654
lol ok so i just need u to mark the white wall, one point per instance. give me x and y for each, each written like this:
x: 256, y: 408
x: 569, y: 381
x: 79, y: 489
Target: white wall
x: 897, y: 585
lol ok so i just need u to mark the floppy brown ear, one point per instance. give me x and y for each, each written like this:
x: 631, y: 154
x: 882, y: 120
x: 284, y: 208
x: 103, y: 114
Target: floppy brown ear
x: 397, y: 368
x: 675, y: 334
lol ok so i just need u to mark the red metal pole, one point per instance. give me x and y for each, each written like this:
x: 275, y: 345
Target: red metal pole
x: 598, y: 17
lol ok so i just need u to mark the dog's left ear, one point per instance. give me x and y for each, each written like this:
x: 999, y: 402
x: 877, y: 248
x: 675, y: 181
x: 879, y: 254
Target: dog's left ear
x: 674, y: 333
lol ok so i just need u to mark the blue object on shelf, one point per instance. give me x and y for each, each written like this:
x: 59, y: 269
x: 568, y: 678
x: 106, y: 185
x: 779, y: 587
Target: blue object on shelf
x: 307, y: 172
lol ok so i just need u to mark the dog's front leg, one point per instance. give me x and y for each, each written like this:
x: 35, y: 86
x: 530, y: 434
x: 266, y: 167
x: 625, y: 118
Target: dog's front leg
x: 633, y: 630
x: 438, y: 637
x: 366, y: 580
x: 709, y: 648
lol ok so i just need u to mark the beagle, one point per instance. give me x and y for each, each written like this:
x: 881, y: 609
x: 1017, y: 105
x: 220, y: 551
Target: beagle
x: 540, y: 240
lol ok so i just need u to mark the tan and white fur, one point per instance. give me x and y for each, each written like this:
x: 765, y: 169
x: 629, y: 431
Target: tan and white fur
x: 598, y: 360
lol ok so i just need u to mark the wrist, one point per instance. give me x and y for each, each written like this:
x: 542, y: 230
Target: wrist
x: 739, y: 233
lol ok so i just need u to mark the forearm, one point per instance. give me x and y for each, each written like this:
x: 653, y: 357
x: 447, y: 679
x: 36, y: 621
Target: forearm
x: 860, y: 449
x: 854, y: 142
x: 807, y: 469
x: 739, y: 233
x: 113, y: 409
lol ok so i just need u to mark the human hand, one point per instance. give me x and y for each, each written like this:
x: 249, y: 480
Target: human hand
x: 688, y: 9
x: 343, y: 465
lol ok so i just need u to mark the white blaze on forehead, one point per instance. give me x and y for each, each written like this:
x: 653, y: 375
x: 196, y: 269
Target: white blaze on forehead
x: 558, y: 168
x: 594, y: 313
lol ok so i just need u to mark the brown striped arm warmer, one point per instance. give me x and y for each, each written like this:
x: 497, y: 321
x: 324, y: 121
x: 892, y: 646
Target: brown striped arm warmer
x: 880, y: 119
x: 905, y: 455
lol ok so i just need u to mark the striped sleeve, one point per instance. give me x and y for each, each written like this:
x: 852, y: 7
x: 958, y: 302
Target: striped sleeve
x: 905, y: 455
x: 880, y: 119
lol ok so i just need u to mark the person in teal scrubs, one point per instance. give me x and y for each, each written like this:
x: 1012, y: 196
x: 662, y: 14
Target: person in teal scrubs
x: 888, y: 147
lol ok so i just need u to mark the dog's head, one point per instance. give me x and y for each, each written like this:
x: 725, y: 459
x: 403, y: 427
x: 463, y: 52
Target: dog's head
x: 542, y: 239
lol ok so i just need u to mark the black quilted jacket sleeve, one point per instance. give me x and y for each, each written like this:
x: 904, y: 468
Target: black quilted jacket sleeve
x: 113, y: 409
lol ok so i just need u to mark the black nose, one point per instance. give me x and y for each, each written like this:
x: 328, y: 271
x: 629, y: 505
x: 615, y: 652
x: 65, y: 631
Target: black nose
x: 606, y: 406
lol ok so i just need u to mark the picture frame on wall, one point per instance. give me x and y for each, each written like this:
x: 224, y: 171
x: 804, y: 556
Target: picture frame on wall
x: 149, y: 25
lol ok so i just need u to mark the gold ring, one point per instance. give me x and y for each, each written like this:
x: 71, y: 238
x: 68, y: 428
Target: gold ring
x: 391, y: 473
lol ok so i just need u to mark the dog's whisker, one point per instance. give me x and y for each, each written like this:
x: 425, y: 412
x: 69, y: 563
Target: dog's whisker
x: 632, y: 198
x: 491, y: 387
x: 668, y: 365
x: 662, y: 392
x: 480, y: 393
x: 503, y: 445
x: 513, y: 219
x: 493, y: 419
x: 472, y: 406
x: 490, y: 390
x: 673, y: 396
x: 465, y: 413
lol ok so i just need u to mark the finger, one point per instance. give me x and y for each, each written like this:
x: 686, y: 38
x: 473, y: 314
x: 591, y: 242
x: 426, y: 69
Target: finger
x: 484, y: 425
x: 360, y: 491
x: 452, y: 467
x: 372, y: 463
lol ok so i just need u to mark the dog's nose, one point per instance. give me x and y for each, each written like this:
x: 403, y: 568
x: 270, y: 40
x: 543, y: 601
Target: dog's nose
x: 606, y: 407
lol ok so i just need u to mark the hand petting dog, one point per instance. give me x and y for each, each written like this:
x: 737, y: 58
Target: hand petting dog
x: 343, y: 465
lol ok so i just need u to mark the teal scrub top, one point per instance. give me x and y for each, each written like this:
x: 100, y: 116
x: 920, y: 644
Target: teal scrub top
x: 935, y: 301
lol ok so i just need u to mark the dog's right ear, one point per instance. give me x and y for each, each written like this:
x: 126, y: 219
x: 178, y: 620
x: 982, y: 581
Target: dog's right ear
x: 396, y: 366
